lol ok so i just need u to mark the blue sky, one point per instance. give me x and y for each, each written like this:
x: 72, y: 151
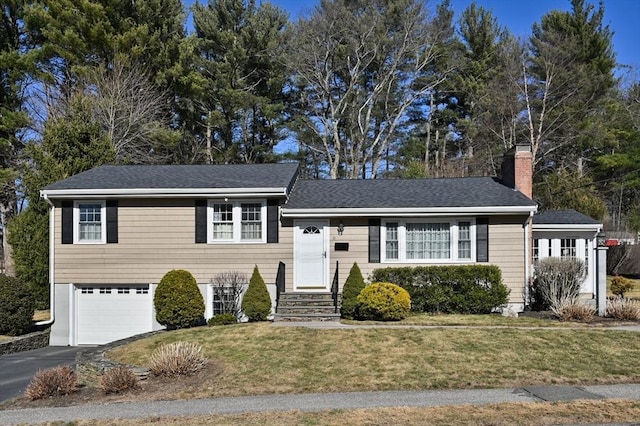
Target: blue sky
x: 622, y: 16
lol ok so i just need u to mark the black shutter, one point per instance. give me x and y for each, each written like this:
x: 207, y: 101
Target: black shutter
x: 201, y: 221
x: 482, y: 239
x: 374, y: 240
x: 272, y: 221
x: 112, y: 221
x: 67, y: 222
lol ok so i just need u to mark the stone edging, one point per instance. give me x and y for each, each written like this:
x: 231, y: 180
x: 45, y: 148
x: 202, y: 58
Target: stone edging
x: 37, y: 340
x: 93, y: 362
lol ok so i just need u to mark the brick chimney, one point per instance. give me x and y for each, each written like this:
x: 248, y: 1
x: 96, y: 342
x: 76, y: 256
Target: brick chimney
x: 517, y: 169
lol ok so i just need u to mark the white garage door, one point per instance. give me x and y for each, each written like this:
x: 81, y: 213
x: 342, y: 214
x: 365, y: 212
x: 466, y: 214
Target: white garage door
x: 108, y: 313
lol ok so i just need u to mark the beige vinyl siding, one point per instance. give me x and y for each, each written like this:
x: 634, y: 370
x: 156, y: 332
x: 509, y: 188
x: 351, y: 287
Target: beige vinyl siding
x: 155, y: 236
x: 506, y: 250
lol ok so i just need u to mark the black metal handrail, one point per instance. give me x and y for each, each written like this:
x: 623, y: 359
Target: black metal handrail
x: 334, y: 288
x: 280, y: 283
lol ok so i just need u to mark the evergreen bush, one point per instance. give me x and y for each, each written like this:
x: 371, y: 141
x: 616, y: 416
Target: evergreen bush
x: 384, y: 302
x: 178, y: 300
x: 352, y: 288
x: 462, y: 289
x: 620, y: 285
x: 256, y: 303
x: 223, y: 319
x: 16, y: 306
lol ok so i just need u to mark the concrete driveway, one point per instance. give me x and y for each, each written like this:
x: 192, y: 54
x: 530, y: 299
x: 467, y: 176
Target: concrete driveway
x: 17, y: 369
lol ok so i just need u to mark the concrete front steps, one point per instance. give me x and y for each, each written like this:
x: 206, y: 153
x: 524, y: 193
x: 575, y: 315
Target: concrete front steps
x: 306, y: 307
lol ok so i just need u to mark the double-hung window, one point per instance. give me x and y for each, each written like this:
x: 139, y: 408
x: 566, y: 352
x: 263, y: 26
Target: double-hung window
x: 237, y: 221
x: 89, y: 218
x: 435, y: 241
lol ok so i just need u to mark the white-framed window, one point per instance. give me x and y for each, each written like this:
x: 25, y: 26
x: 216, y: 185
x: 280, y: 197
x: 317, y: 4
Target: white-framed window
x: 237, y: 221
x: 89, y: 219
x: 568, y: 247
x: 435, y: 240
x: 391, y: 242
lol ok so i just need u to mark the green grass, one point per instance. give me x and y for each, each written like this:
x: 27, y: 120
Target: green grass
x: 260, y: 358
x: 492, y: 320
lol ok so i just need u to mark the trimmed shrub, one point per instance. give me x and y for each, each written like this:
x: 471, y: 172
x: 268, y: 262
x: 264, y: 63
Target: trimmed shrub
x: 557, y: 283
x: 223, y: 319
x: 623, y: 308
x: 352, y: 288
x: 576, y: 312
x: 620, y: 285
x: 177, y: 359
x: 59, y: 380
x: 384, y: 302
x: 118, y: 379
x: 17, y: 306
x: 256, y: 303
x: 178, y: 301
x: 463, y: 289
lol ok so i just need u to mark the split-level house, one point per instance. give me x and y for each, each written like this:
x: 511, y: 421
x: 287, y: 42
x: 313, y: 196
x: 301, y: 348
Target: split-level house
x: 116, y: 230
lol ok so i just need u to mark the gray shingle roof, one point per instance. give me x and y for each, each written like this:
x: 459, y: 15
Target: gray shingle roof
x: 563, y: 217
x: 399, y: 193
x: 182, y: 176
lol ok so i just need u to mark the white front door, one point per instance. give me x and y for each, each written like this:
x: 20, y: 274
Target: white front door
x: 311, y: 255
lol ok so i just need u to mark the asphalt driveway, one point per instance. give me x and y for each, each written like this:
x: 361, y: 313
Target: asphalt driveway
x: 17, y: 369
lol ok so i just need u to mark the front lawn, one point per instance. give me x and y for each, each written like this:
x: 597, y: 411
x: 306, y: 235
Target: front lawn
x: 262, y: 359
x: 492, y: 320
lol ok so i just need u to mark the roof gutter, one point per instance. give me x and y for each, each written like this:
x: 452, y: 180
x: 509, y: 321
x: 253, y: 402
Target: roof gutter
x: 573, y: 227
x: 52, y: 264
x: 163, y: 193
x: 407, y: 211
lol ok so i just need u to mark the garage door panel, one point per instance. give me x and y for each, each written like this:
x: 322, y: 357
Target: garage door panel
x: 104, y: 314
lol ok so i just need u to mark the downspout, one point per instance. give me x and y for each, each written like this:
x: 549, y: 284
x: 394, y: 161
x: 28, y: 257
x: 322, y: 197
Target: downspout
x: 52, y: 221
x: 527, y: 256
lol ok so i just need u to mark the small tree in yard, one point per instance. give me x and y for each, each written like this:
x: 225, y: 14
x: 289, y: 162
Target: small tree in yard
x: 16, y: 306
x: 178, y: 300
x: 620, y: 285
x: 227, y: 292
x: 352, y: 288
x: 256, y: 303
x: 558, y: 281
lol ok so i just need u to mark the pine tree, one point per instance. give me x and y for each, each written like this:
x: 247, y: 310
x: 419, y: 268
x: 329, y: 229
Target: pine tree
x: 352, y: 288
x: 256, y: 302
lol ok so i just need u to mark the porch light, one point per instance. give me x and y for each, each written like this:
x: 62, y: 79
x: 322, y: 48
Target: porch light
x: 340, y: 228
x: 601, y: 238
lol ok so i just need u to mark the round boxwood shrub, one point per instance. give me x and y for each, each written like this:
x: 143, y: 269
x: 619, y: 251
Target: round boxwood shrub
x: 222, y: 319
x: 256, y: 303
x: 17, y: 305
x: 384, y: 302
x: 352, y: 288
x: 178, y: 300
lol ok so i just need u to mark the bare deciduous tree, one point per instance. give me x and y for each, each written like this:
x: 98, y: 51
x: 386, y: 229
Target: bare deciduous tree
x: 227, y: 291
x: 357, y: 67
x: 133, y: 112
